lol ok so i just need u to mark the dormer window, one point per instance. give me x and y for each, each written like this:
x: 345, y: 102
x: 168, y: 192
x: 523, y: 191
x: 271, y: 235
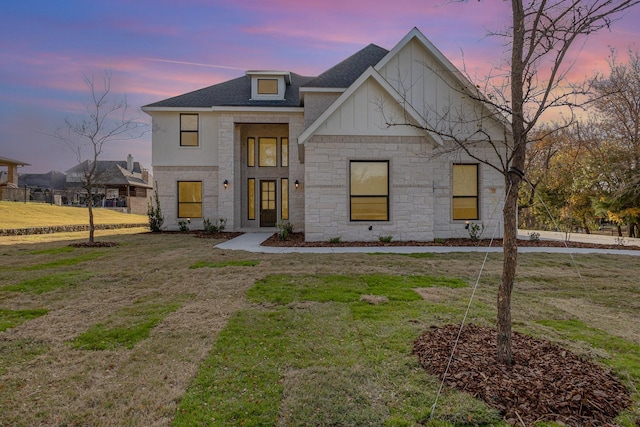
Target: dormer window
x: 269, y: 85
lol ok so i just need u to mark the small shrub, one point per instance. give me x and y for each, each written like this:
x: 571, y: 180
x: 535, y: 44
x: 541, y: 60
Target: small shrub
x: 285, y: 229
x: 619, y: 241
x: 184, y: 225
x: 155, y: 214
x: 217, y: 227
x: 385, y: 239
x: 334, y: 239
x: 439, y: 240
x: 475, y: 230
x: 534, y: 237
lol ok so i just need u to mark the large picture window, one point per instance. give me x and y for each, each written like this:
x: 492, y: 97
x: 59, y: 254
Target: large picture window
x: 268, y: 152
x: 189, y: 199
x: 369, y: 190
x: 189, y: 130
x: 465, y: 192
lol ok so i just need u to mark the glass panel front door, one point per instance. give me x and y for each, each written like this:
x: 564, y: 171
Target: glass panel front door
x: 268, y: 211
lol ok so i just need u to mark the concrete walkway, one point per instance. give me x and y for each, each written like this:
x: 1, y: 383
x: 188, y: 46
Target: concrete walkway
x: 251, y: 242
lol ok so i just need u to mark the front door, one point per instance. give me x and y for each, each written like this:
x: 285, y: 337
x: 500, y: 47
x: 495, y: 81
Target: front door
x: 268, y: 211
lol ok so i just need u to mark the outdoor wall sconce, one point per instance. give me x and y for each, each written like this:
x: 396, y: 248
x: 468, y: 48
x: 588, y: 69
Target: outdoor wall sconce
x: 466, y: 225
x: 226, y: 184
x: 297, y: 184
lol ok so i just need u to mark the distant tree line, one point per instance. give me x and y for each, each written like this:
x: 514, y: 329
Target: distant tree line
x: 588, y: 174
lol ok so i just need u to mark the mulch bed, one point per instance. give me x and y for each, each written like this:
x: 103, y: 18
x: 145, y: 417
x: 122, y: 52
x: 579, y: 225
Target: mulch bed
x: 545, y: 383
x: 94, y: 244
x: 297, y: 240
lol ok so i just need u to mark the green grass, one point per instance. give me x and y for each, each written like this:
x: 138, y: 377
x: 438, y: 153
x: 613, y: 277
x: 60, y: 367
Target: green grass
x: 284, y: 289
x: 274, y: 365
x: 61, y: 263
x: 624, y: 355
x: 222, y: 264
x: 127, y: 327
x: 47, y: 283
x: 13, y: 318
x: 53, y: 251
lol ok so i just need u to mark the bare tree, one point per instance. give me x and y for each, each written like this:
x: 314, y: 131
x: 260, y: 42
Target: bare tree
x: 535, y: 81
x: 107, y: 120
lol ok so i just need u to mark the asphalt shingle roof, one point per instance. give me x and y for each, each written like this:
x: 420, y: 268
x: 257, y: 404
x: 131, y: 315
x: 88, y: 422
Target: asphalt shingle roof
x: 345, y: 73
x: 237, y: 92
x: 234, y: 93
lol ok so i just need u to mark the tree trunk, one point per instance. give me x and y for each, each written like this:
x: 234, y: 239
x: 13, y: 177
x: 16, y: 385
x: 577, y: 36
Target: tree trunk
x: 91, y: 226
x: 512, y: 183
x: 510, y: 261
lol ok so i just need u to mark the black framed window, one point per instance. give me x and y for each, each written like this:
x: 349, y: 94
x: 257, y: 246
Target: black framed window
x: 189, y: 130
x: 369, y: 190
x: 465, y: 192
x: 189, y: 199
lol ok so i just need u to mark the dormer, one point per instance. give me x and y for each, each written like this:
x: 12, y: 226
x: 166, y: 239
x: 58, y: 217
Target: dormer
x: 268, y: 85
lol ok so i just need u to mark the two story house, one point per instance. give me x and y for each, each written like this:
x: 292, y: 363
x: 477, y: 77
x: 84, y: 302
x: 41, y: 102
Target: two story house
x: 371, y: 147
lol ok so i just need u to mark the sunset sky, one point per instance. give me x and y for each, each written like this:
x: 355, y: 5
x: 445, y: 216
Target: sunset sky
x: 161, y: 48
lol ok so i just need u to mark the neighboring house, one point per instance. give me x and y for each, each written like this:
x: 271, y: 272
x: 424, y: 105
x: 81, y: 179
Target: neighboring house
x: 42, y: 185
x: 341, y: 155
x: 121, y: 185
x: 9, y: 185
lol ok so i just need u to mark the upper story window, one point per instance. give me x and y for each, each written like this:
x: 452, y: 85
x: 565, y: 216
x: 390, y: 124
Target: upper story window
x: 269, y: 85
x: 189, y: 130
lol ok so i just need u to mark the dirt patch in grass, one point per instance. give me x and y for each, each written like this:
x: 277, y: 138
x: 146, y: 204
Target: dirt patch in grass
x: 546, y: 382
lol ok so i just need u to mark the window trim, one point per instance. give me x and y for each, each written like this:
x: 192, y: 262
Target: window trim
x: 356, y: 196
x: 476, y: 197
x: 201, y: 202
x: 189, y: 131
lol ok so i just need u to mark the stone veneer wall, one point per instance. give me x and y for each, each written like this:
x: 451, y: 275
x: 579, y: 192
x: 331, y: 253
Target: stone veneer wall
x: 167, y: 177
x: 491, y: 189
x: 230, y: 202
x: 420, y: 190
x: 315, y: 104
x: 411, y: 213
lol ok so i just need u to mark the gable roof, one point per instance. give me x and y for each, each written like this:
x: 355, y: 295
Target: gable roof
x: 370, y: 73
x: 233, y: 93
x: 346, y: 72
x: 104, y: 165
x: 466, y: 84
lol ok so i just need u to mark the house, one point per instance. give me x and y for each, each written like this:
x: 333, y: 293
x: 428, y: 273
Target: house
x: 42, y: 185
x: 342, y: 154
x: 120, y: 185
x: 9, y: 186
